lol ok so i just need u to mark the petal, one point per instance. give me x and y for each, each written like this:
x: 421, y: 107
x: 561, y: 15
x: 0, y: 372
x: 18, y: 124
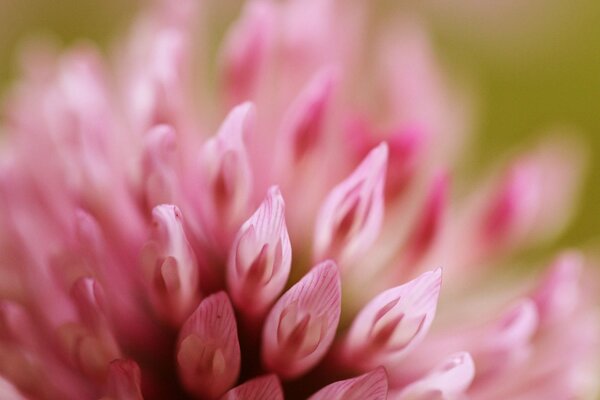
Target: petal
x: 88, y: 297
x: 261, y: 255
x: 170, y: 264
x: 302, y: 324
x: 225, y: 157
x: 124, y: 380
x: 429, y: 223
x: 350, y: 217
x: 395, y: 321
x: 506, y: 341
x: 246, y: 49
x: 305, y: 120
x: 370, y: 386
x: 208, y: 350
x: 447, y: 381
x: 557, y: 295
x: 160, y: 177
x: 265, y: 387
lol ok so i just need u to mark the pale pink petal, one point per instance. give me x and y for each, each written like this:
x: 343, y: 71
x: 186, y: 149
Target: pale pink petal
x: 391, y: 324
x: 370, y: 386
x: 246, y: 49
x: 170, y: 265
x: 160, y: 176
x: 124, y: 380
x: 227, y: 167
x: 350, y: 218
x: 305, y: 120
x: 302, y: 324
x: 449, y: 380
x: 89, y: 300
x: 506, y: 342
x: 428, y: 225
x: 558, y: 293
x: 208, y: 350
x: 260, y: 258
x: 265, y: 387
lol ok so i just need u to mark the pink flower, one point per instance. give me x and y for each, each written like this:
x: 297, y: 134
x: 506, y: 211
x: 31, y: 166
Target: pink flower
x: 284, y: 229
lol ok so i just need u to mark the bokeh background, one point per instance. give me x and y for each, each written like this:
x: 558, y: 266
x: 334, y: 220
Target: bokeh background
x: 533, y: 65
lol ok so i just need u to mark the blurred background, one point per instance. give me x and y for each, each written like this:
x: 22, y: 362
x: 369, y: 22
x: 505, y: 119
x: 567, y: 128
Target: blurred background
x: 533, y: 65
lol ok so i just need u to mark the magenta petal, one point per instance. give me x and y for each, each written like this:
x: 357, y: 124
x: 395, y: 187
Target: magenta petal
x: 260, y: 258
x: 265, y: 387
x: 370, y: 386
x: 170, y: 265
x: 395, y: 321
x: 449, y: 380
x: 350, y: 218
x: 124, y: 380
x: 208, y: 350
x: 302, y: 324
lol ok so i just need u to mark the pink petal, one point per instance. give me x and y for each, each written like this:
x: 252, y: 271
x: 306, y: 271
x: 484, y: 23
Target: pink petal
x: 350, y: 217
x: 88, y: 297
x: 395, y: 321
x: 208, y: 351
x: 302, y: 324
x: 260, y: 258
x: 160, y: 176
x: 170, y: 264
x: 448, y: 380
x: 558, y: 294
x: 226, y: 162
x: 429, y: 223
x: 246, y: 48
x: 265, y: 387
x: 506, y: 342
x: 8, y: 391
x: 370, y: 386
x: 124, y: 380
x: 306, y: 117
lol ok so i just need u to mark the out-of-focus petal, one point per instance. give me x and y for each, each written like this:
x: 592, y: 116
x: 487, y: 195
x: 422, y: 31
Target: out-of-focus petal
x: 302, y: 324
x: 124, y: 380
x: 208, y: 350
x: 449, y: 380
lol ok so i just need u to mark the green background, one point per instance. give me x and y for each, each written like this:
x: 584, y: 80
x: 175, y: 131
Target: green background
x: 533, y: 65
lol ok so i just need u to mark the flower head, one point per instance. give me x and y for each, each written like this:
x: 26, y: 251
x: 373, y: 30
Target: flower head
x: 278, y: 233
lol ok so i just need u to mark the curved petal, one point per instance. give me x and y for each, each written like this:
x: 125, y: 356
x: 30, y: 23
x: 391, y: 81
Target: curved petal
x: 124, y: 380
x: 265, y: 387
x: 208, y: 350
x: 302, y: 324
x: 260, y: 259
x: 391, y: 324
x: 170, y: 265
x: 370, y: 386
x: 447, y: 381
x: 350, y: 217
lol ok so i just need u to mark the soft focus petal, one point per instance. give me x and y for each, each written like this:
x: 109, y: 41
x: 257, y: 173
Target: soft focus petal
x: 449, y: 380
x: 301, y: 325
x: 124, y: 381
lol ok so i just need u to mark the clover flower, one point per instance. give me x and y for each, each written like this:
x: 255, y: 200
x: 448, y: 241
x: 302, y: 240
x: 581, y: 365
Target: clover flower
x: 276, y: 220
